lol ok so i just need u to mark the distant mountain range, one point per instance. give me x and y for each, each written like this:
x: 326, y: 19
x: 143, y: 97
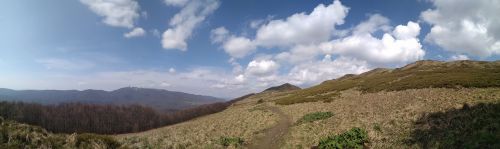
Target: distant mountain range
x: 159, y: 99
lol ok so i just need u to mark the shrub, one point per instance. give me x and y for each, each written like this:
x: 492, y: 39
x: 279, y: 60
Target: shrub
x: 311, y: 117
x: 352, y: 139
x: 376, y: 126
x: 227, y: 141
x: 260, y: 101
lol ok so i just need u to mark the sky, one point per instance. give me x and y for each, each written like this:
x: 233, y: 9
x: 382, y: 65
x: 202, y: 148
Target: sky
x: 228, y: 48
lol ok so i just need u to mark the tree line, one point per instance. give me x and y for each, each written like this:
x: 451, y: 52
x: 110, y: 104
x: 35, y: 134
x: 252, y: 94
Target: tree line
x: 101, y: 119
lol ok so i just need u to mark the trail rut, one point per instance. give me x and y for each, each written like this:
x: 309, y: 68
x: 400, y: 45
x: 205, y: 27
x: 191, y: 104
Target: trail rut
x: 273, y: 137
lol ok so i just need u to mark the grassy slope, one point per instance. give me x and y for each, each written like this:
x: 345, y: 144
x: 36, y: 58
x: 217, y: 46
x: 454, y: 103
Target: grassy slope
x: 17, y: 135
x: 421, y: 74
x: 392, y: 105
x: 392, y: 119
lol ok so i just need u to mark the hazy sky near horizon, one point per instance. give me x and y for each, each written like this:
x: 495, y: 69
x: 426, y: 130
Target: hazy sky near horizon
x: 228, y: 48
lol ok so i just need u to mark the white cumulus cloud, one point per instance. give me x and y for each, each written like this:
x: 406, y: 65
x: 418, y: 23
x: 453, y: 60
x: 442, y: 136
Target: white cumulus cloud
x: 302, y: 28
x: 136, y: 32
x: 117, y: 13
x: 262, y: 67
x: 183, y: 23
x: 311, y: 73
x: 465, y: 26
x: 239, y: 47
x: 400, y: 46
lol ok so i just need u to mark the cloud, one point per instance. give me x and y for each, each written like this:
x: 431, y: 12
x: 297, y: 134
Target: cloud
x: 239, y: 47
x: 116, y: 13
x: 63, y: 64
x: 458, y: 57
x: 305, y: 38
x: 262, y: 68
x: 303, y: 28
x: 183, y: 23
x: 136, y: 32
x: 171, y: 70
x: 463, y: 26
x: 177, y: 3
x: 299, y: 54
x: 311, y: 73
x: 258, y: 22
x: 165, y: 84
x: 219, y: 35
x: 399, y: 47
x: 374, y: 23
x: 299, y: 29
x: 236, y: 47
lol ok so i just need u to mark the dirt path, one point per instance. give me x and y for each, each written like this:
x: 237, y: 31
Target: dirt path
x: 273, y: 137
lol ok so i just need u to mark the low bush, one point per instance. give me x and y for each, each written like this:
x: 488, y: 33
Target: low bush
x: 352, y: 139
x: 311, y: 117
x: 228, y: 141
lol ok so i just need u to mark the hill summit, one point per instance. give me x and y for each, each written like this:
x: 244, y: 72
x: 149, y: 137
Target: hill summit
x: 283, y: 87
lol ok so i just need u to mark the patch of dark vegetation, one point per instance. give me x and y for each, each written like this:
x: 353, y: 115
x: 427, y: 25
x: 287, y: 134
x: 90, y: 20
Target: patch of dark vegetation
x: 311, y: 117
x: 352, y: 139
x: 377, y: 127
x: 302, y: 96
x: 16, y: 135
x: 470, y: 127
x: 231, y: 141
x: 421, y: 74
x: 101, y: 119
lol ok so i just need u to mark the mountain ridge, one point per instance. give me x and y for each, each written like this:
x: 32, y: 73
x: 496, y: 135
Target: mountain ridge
x: 282, y: 87
x: 159, y: 99
x: 417, y: 75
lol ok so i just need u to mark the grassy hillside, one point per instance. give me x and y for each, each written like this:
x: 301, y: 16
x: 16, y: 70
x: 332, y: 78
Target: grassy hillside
x: 397, y: 119
x: 427, y: 104
x: 421, y: 74
x: 17, y: 135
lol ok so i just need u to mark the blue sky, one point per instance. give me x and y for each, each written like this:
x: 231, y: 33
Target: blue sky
x: 228, y: 48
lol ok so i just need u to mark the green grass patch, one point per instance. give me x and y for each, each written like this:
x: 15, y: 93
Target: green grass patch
x: 231, y: 141
x: 311, y: 117
x: 422, y: 74
x: 352, y: 139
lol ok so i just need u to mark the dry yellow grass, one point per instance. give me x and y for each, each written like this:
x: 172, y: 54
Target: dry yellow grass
x: 240, y: 120
x: 393, y: 113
